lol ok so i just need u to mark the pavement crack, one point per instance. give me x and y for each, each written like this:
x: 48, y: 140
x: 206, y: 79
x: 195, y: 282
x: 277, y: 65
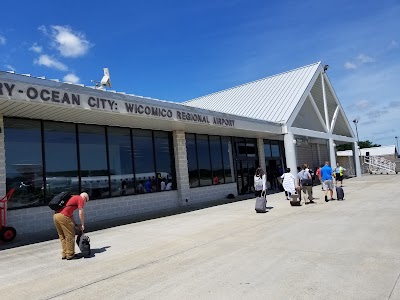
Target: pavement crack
x: 397, y: 280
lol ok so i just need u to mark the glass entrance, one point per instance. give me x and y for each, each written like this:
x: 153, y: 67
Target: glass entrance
x: 245, y: 171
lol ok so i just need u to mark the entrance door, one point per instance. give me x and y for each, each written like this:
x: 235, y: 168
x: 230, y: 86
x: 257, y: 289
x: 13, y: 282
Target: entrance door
x: 245, y: 171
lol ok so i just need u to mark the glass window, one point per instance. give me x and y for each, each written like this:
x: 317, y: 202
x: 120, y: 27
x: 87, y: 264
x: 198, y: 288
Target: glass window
x: 240, y: 146
x: 120, y: 158
x: 165, y: 162
x: 192, y: 160
x: 93, y: 161
x: 275, y: 149
x: 203, y: 154
x: 251, y: 147
x: 216, y: 160
x: 227, y: 158
x: 267, y: 149
x: 61, y: 158
x: 145, y: 175
x: 23, y: 156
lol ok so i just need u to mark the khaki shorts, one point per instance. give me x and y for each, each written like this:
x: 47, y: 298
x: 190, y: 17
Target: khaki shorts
x: 327, y: 185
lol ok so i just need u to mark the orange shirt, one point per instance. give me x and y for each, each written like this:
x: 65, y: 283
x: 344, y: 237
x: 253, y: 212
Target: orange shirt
x: 73, y: 203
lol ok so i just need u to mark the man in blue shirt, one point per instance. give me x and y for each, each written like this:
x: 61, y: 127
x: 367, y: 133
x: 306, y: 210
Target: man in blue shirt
x: 148, y: 186
x: 326, y: 177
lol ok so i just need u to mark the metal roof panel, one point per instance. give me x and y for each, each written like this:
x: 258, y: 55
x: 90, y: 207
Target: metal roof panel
x: 270, y: 99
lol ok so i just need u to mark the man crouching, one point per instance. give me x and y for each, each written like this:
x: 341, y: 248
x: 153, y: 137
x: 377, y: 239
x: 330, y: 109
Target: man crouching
x: 65, y: 224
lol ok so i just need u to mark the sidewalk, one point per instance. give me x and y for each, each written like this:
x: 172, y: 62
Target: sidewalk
x: 336, y: 250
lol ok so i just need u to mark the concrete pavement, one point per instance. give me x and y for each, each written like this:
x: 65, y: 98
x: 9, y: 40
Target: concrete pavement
x: 336, y: 250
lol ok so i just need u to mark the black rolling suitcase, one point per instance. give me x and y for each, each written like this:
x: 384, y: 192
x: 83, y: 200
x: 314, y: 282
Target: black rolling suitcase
x: 339, y: 193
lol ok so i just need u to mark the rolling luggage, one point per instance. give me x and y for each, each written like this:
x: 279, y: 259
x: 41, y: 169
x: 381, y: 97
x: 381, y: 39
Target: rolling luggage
x: 261, y: 204
x: 295, y: 200
x: 83, y: 242
x: 339, y: 193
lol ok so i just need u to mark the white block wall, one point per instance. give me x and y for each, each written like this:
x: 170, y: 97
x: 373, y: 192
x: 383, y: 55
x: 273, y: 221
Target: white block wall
x: 35, y: 219
x: 213, y: 192
x: 181, y: 167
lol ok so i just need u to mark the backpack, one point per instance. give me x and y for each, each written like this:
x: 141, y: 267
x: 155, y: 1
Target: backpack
x: 258, y: 183
x: 59, y: 201
x: 305, y: 181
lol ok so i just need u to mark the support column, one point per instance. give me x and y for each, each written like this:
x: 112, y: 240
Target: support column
x: 2, y: 159
x: 231, y: 161
x: 261, y: 154
x: 328, y: 129
x: 332, y: 153
x: 356, y: 156
x: 181, y: 167
x: 290, y: 152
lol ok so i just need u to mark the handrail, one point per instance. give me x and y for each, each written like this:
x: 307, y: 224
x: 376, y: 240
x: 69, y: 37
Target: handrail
x: 378, y: 163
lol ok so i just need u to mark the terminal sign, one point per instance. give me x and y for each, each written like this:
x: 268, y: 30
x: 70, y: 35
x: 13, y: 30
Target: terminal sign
x: 31, y: 93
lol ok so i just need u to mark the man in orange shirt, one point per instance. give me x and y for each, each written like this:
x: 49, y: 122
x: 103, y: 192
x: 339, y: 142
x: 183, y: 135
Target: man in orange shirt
x: 65, y: 224
x: 318, y: 173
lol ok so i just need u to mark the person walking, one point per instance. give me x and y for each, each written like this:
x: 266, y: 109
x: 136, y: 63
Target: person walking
x: 289, y: 183
x: 260, y: 182
x: 65, y: 224
x: 339, y: 174
x: 326, y: 175
x: 304, y: 183
x: 318, y: 173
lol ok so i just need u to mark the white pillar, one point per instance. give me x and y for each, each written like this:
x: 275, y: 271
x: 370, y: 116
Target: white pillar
x: 290, y: 152
x: 356, y: 156
x: 332, y: 153
x: 181, y: 167
x: 261, y: 154
x: 325, y: 104
x: 231, y: 162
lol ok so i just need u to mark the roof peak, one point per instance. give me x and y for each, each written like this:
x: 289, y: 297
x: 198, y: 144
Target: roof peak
x: 251, y: 82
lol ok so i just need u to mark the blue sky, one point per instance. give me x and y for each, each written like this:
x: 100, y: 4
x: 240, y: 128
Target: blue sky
x: 179, y: 50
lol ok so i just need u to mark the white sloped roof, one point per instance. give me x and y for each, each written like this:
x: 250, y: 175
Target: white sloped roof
x: 375, y: 151
x: 270, y: 99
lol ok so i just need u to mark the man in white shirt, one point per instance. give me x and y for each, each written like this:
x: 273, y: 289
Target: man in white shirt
x: 162, y: 184
x: 169, y: 186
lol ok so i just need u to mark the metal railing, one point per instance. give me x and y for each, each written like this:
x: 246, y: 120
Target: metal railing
x: 378, y: 164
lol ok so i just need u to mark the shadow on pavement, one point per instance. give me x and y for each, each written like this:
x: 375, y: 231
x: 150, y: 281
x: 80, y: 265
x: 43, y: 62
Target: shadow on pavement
x: 33, y: 238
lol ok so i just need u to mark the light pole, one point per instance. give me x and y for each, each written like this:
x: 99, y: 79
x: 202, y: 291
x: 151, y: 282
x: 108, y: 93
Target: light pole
x: 397, y: 142
x: 355, y: 121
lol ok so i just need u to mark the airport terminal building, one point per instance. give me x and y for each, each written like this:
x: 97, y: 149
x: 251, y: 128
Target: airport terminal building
x: 135, y: 155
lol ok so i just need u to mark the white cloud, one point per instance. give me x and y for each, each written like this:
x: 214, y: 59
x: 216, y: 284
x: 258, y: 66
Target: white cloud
x: 2, y: 40
x: 68, y: 42
x: 361, y: 59
x: 45, y: 60
x: 71, y: 78
x: 9, y: 67
x: 363, y: 104
x: 36, y: 48
x: 365, y: 59
x: 349, y: 65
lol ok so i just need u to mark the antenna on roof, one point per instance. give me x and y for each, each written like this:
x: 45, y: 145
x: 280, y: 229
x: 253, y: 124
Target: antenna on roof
x: 105, y: 81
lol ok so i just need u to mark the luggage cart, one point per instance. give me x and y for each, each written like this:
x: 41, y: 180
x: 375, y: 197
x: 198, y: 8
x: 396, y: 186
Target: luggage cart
x: 7, y: 234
